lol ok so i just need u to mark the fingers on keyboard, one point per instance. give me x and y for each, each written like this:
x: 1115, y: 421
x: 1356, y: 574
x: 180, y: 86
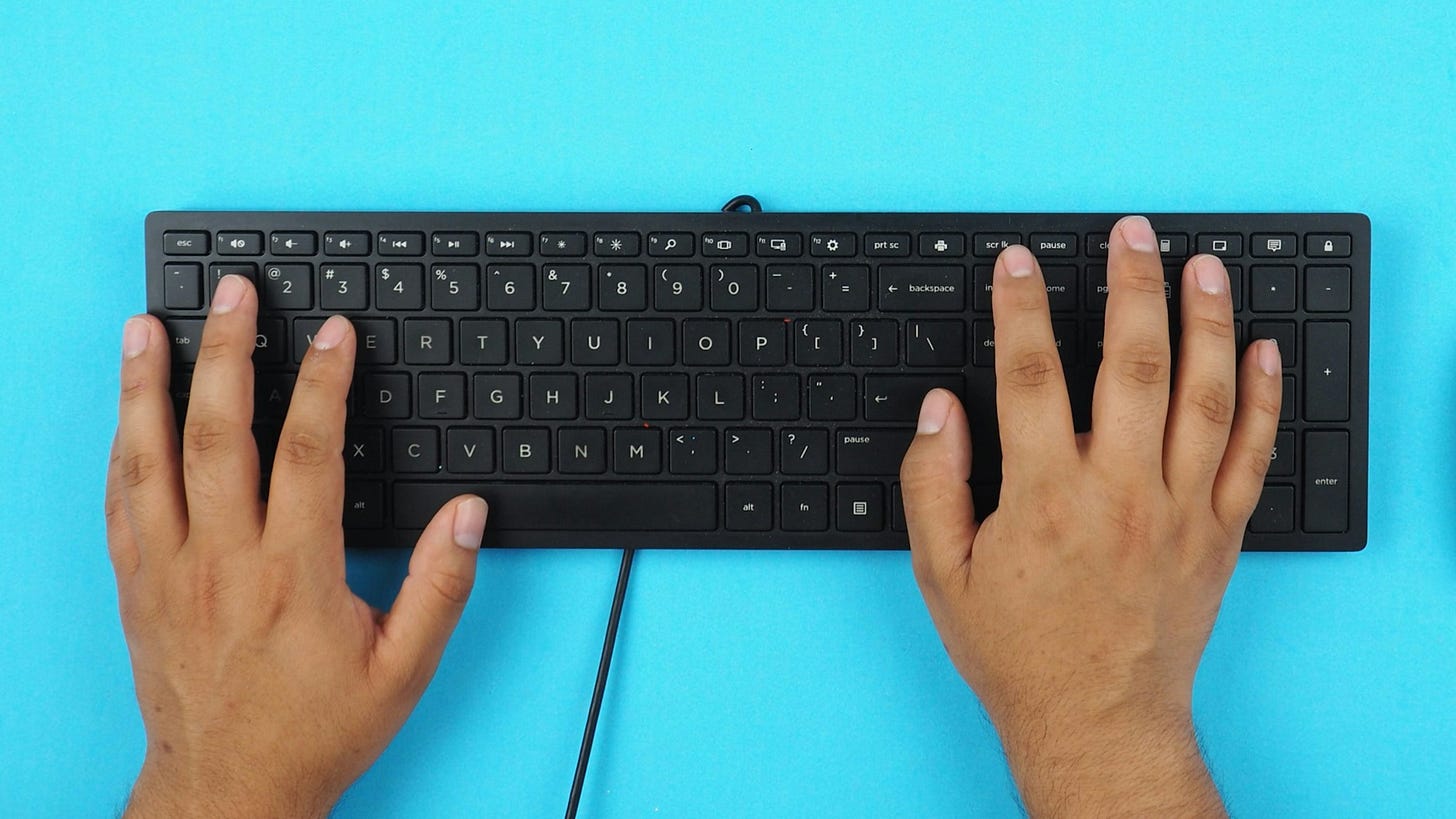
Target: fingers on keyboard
x: 1203, y: 395
x: 1031, y: 390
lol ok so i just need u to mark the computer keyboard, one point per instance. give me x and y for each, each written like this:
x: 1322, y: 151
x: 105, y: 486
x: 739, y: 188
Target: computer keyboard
x: 732, y: 380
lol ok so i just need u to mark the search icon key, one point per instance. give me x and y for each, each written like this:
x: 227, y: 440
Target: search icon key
x: 670, y: 244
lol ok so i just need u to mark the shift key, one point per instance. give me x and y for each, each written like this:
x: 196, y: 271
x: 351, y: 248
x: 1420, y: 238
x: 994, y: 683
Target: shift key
x: 1326, y: 481
x: 922, y: 288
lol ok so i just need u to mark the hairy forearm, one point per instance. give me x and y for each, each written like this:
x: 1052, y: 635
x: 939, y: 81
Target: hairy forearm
x: 164, y: 792
x: 1139, y: 766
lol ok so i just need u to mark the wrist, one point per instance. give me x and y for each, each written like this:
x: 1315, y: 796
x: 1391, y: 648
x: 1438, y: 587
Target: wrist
x: 169, y: 789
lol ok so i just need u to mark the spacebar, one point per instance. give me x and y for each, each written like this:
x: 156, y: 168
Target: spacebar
x: 574, y: 507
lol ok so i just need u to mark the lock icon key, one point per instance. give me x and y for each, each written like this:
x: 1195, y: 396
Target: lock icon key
x: 1329, y: 246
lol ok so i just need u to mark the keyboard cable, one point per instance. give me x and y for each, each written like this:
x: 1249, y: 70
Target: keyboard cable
x: 603, y: 666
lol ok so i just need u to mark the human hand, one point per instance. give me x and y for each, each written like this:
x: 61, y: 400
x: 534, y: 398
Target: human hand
x: 1079, y: 609
x: 265, y: 685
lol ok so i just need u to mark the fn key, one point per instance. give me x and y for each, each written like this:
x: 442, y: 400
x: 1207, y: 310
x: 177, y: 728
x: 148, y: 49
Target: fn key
x: 1326, y: 481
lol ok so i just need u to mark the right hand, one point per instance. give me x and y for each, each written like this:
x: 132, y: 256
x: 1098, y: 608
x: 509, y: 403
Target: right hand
x: 1079, y: 609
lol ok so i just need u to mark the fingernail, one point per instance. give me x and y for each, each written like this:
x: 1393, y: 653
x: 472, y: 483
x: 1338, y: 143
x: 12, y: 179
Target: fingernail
x: 1269, y: 356
x: 329, y: 335
x: 1018, y: 261
x: 1138, y: 233
x: 470, y: 523
x: 229, y: 293
x: 933, y: 412
x: 1210, y: 274
x: 135, y: 335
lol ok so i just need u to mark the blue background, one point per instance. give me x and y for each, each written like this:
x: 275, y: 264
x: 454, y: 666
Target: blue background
x: 746, y: 684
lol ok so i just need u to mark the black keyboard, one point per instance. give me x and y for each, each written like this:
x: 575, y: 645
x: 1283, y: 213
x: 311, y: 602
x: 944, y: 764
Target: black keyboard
x: 732, y: 380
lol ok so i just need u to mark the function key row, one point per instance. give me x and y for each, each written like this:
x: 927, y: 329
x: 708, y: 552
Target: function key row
x: 732, y: 244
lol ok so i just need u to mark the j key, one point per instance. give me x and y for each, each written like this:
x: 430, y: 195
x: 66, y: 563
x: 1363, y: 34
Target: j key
x: 779, y: 244
x: 343, y: 287
x: 401, y: 244
x: 748, y: 507
x: 871, y: 451
x: 898, y: 397
x: 184, y: 243
x: 990, y: 245
x: 288, y: 286
x: 1330, y: 245
x: 1274, y: 244
x: 846, y: 288
x: 296, y: 243
x: 563, y: 244
x: 608, y: 396
x: 346, y: 244
x: 508, y: 244
x: 733, y: 287
x: 399, y: 286
x: 1326, y: 371
x: 943, y: 244
x: 635, y: 506
x: 239, y: 243
x: 911, y: 288
x: 670, y: 244
x: 832, y: 244
x: 887, y: 244
x: 1326, y: 481
x: 454, y: 244
x: 183, y: 283
x: 725, y: 244
x: 1221, y: 244
x: 860, y: 507
x: 617, y: 244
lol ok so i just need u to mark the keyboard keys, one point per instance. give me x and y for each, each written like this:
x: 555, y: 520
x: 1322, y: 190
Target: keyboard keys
x: 779, y: 244
x: 483, y: 342
x: 454, y: 244
x: 1327, y: 245
x: 1274, y: 244
x: 922, y: 288
x: 1326, y: 481
x: 622, y: 287
x: 186, y: 338
x: 804, y: 507
x: 748, y: 451
x: 637, y: 451
x: 469, y: 450
x: 650, y: 342
x: 898, y: 397
x: 861, y: 507
x: 943, y: 244
x: 346, y: 244
x: 664, y: 396
x: 565, y: 287
x: 539, y: 342
x: 1282, y: 460
x: 415, y: 450
x: 343, y: 287
x: 239, y: 243
x: 846, y: 287
x: 562, y: 244
x: 1275, y: 512
x: 184, y: 243
x: 790, y: 288
x: 1221, y: 244
x: 832, y: 244
x: 427, y: 341
x: 677, y: 287
x: 1271, y: 289
x: 293, y: 243
x: 1173, y: 245
x: 1053, y: 244
x: 871, y: 451
x: 887, y: 244
x: 1327, y: 371
x: 692, y: 452
x: 507, y: 244
x: 635, y: 506
x: 748, y: 507
x: 511, y: 287
x: 935, y: 343
x: 733, y: 287
x: 670, y: 244
x: 183, y: 285
x: 288, y: 286
x: 1326, y: 289
x: 1061, y: 287
x: 990, y: 245
x: 725, y: 244
x: 526, y: 452
x: 616, y: 244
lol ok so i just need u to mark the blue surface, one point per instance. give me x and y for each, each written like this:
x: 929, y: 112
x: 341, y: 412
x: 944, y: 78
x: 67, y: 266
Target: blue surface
x: 746, y: 684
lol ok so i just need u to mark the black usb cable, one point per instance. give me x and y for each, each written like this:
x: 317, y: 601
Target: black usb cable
x: 603, y: 667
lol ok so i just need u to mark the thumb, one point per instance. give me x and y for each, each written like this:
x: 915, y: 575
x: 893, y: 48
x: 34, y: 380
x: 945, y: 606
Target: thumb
x: 441, y: 575
x: 938, y: 506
